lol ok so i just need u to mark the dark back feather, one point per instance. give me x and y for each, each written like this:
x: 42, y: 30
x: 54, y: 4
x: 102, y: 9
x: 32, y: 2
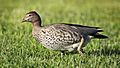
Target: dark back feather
x: 77, y: 25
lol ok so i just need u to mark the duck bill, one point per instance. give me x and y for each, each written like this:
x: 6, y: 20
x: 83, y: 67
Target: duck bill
x: 23, y: 20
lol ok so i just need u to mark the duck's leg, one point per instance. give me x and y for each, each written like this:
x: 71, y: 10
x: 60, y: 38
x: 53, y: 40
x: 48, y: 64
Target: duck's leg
x: 79, y: 49
x: 62, y: 53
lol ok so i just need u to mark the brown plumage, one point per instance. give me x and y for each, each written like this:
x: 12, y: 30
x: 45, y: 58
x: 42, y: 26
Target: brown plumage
x: 62, y: 37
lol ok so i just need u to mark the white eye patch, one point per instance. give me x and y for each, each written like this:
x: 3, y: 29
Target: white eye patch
x: 28, y: 17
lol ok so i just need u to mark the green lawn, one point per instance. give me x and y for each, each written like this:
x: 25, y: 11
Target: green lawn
x: 18, y: 49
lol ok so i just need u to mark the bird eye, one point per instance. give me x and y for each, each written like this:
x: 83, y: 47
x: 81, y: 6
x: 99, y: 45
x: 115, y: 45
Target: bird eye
x: 29, y: 15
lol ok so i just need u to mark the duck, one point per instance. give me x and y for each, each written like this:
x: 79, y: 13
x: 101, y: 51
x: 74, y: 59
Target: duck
x: 62, y: 37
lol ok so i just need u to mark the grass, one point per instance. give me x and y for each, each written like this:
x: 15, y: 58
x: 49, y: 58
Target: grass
x: 18, y: 49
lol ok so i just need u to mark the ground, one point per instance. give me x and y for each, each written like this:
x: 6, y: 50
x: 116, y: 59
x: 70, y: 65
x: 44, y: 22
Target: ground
x: 18, y: 49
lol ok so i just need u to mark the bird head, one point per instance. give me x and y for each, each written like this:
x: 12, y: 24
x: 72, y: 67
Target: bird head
x: 31, y: 16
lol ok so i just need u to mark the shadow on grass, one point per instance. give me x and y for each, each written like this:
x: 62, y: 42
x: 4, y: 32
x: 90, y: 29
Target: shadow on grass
x: 105, y: 52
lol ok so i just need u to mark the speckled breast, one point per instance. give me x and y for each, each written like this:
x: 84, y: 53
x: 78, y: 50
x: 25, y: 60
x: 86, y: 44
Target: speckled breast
x: 56, y: 39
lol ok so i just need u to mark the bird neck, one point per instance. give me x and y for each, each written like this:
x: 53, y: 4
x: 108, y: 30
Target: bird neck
x: 36, y: 23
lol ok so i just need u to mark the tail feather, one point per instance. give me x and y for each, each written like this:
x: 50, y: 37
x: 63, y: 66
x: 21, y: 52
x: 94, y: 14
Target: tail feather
x: 100, y: 36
